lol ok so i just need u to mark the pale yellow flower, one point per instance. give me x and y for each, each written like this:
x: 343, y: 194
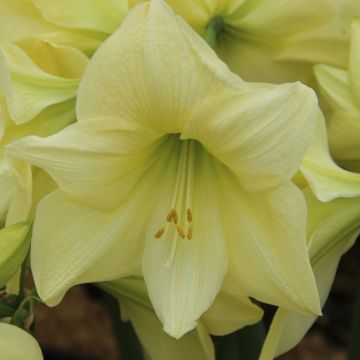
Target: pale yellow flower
x: 272, y: 41
x: 178, y: 168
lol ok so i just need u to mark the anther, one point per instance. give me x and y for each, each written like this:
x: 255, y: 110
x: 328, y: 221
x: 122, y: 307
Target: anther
x: 180, y: 231
x: 171, y: 215
x: 175, y: 217
x: 189, y: 233
x: 189, y: 215
x: 159, y: 233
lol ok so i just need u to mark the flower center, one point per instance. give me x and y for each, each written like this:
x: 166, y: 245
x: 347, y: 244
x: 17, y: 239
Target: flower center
x: 180, y: 217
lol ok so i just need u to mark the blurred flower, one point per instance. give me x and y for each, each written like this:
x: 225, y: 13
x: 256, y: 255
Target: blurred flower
x: 81, y: 24
x: 177, y: 164
x: 17, y: 344
x: 341, y: 90
x: 273, y: 42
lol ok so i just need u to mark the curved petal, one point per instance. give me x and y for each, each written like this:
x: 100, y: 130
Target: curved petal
x: 20, y: 19
x: 58, y: 60
x: 266, y: 241
x: 229, y: 312
x: 145, y: 81
x: 354, y: 64
x: 27, y: 88
x: 327, y: 180
x: 283, y: 20
x: 335, y: 86
x: 184, y: 275
x: 159, y: 345
x: 344, y: 139
x: 14, y: 246
x: 96, y: 15
x: 73, y: 244
x: 261, y: 133
x: 333, y: 228
x: 16, y: 344
x: 97, y: 162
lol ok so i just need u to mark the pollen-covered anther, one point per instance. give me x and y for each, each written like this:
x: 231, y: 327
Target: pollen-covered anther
x: 180, y: 231
x: 189, y: 233
x: 189, y: 215
x: 159, y: 233
x: 170, y: 215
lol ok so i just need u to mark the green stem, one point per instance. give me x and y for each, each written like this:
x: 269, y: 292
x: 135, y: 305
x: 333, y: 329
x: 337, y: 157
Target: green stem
x: 354, y: 350
x: 214, y: 26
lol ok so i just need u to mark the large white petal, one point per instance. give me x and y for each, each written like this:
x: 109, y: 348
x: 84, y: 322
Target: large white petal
x: 265, y: 234
x: 73, y: 244
x: 261, y: 133
x: 155, y: 75
x: 98, y: 162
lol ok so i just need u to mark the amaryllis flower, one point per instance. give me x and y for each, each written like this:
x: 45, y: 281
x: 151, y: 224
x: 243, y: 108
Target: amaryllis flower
x: 179, y: 170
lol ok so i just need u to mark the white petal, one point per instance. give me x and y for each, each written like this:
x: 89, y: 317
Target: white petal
x: 97, y: 162
x: 327, y: 180
x: 183, y: 284
x: 265, y: 233
x: 261, y: 133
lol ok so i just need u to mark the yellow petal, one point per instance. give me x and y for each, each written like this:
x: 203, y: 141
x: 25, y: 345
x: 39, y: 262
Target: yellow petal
x: 131, y: 293
x: 184, y: 273
x: 92, y: 246
x: 98, y: 162
x: 327, y: 180
x: 354, y: 65
x: 21, y: 19
x: 16, y: 344
x: 332, y: 229
x: 14, y: 246
x: 27, y: 88
x: 261, y: 133
x: 196, y: 345
x: 335, y: 86
x: 229, y: 312
x: 268, y: 229
x: 344, y: 139
x: 142, y: 80
x: 96, y: 15
x: 58, y: 60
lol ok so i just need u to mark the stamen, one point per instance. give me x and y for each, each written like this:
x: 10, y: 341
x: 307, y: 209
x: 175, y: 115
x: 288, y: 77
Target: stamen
x: 189, y: 233
x: 189, y: 215
x: 159, y: 233
x: 180, y: 231
x: 175, y: 217
x: 171, y: 215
